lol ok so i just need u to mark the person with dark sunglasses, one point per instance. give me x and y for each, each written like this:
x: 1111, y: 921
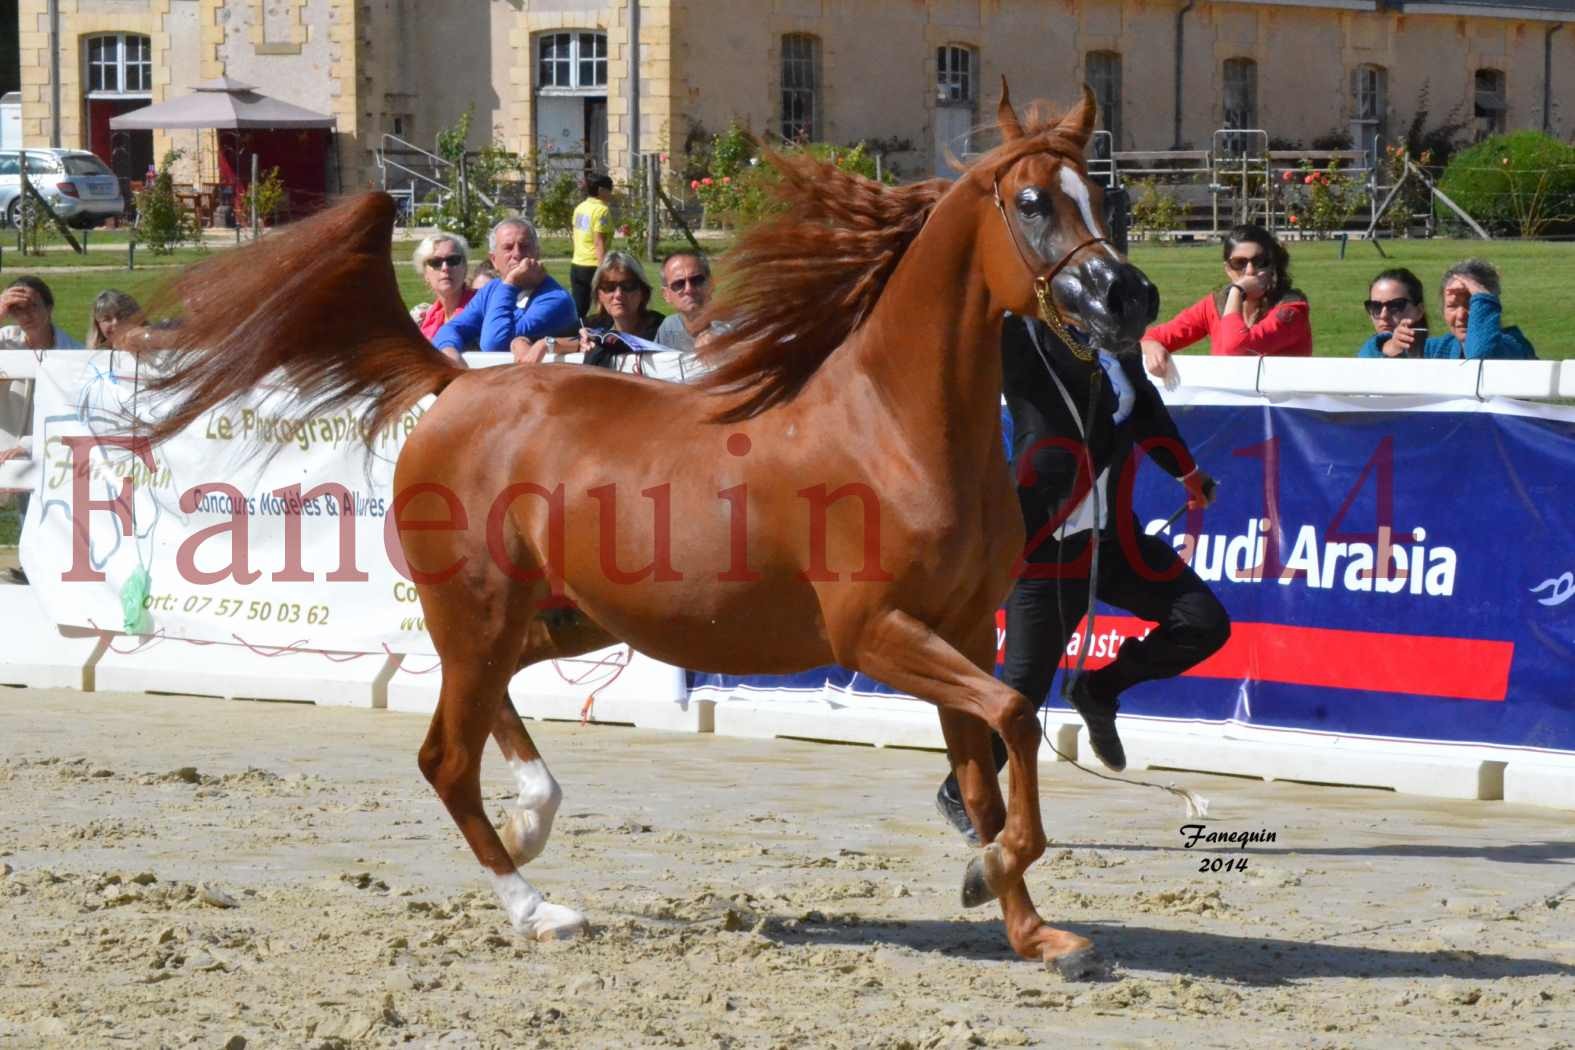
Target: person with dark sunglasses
x: 1256, y: 312
x: 1397, y: 306
x: 686, y: 285
x: 441, y: 261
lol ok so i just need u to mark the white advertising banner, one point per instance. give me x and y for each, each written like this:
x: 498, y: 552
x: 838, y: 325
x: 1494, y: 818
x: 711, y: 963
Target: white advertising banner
x: 257, y: 525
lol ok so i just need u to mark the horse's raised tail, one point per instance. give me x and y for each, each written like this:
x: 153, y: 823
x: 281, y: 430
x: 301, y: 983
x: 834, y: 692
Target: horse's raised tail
x: 318, y: 304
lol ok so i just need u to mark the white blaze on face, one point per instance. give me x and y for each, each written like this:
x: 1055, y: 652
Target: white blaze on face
x: 1074, y: 187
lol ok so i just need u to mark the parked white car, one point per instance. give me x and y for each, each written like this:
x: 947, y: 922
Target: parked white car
x: 77, y: 185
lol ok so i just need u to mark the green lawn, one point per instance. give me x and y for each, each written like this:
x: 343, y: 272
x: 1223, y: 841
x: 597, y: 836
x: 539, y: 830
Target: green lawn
x: 10, y: 526
x: 1535, y: 278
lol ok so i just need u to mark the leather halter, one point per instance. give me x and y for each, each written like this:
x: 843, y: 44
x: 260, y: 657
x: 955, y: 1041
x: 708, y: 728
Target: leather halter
x: 1048, y: 312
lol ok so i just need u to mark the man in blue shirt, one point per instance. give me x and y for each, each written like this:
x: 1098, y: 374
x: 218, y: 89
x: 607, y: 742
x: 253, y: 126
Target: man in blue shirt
x: 522, y: 302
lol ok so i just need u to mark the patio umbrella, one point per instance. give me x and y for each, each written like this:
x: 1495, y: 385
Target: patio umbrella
x: 221, y: 103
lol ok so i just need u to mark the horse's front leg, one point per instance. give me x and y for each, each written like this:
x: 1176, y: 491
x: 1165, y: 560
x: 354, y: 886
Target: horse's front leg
x: 552, y: 636
x: 904, y: 653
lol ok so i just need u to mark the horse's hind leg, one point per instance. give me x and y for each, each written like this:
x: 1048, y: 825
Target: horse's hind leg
x: 524, y: 833
x: 479, y: 637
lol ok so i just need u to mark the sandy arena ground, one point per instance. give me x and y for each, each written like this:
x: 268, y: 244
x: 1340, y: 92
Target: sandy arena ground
x: 182, y: 872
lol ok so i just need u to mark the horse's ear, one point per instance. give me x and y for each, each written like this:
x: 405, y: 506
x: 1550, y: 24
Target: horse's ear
x: 1078, y: 124
x: 1006, y: 116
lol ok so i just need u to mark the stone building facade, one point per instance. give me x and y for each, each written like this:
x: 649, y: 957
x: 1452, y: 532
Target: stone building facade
x: 578, y: 77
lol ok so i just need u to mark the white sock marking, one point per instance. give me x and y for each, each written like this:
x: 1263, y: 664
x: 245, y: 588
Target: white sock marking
x: 531, y: 914
x: 530, y: 823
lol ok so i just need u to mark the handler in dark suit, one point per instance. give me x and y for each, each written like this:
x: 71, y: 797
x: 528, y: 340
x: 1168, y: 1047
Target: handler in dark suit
x: 1062, y: 399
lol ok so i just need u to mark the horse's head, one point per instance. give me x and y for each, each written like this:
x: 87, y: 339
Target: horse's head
x: 1054, y: 258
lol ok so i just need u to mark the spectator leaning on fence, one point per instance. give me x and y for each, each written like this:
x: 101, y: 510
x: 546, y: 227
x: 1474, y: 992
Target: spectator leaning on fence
x: 623, y: 297
x: 1257, y: 312
x: 1472, y: 315
x: 523, y: 303
x: 114, y: 312
x: 686, y: 286
x: 441, y: 260
x: 27, y: 318
x: 1397, y: 306
x: 591, y: 232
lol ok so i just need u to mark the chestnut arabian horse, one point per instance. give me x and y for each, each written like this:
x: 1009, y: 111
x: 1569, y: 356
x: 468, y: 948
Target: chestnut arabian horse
x: 834, y: 492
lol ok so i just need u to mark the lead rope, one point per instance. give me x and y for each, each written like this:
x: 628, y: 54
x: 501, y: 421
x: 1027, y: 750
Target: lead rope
x: 1197, y: 805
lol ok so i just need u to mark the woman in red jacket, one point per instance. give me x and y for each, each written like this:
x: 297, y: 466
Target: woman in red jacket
x: 1257, y: 312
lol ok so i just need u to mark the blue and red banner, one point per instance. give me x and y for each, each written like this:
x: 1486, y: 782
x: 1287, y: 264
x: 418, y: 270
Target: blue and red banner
x: 1403, y: 574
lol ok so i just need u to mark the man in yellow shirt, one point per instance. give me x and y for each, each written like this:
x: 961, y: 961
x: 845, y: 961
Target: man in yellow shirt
x: 592, y: 230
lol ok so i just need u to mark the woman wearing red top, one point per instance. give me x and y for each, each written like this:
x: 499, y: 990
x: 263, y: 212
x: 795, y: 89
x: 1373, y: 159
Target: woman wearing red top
x: 1257, y: 312
x: 440, y: 259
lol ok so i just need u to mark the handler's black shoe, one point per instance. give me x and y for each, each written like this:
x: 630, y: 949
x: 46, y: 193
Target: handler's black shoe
x: 1099, y: 715
x: 951, y: 808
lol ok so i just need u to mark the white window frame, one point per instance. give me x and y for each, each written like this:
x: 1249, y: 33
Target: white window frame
x: 956, y: 75
x: 578, y: 41
x: 119, y: 64
x: 1369, y: 94
x: 804, y: 82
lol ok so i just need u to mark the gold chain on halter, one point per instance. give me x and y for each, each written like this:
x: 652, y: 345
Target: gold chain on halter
x: 1052, y: 318
x: 1048, y: 312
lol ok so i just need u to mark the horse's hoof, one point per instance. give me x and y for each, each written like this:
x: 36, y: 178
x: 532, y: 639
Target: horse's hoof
x: 554, y: 922
x: 1082, y: 964
x: 976, y: 888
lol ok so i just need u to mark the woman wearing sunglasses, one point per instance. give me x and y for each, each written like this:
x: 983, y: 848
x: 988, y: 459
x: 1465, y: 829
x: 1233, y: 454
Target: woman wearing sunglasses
x: 623, y: 298
x: 1396, y: 304
x: 1256, y: 312
x: 441, y: 261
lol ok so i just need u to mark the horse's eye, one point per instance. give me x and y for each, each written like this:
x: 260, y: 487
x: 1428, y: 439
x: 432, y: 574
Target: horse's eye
x: 1031, y: 202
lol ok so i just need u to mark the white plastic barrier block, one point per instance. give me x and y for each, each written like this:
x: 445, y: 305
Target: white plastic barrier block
x: 1236, y: 374
x: 40, y: 655
x: 1541, y: 783
x: 1527, y: 379
x: 1283, y: 376
x: 1436, y: 770
x: 624, y: 686
x: 1565, y: 385
x: 167, y: 665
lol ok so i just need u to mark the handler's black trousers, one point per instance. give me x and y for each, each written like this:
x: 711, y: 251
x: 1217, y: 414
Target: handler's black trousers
x: 1041, y: 615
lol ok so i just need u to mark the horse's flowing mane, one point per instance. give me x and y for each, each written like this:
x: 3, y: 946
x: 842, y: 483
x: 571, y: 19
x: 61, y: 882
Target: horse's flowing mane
x: 799, y: 284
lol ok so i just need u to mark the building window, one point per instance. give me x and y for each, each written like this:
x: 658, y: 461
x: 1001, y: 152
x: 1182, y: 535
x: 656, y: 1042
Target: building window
x: 119, y: 64
x: 1491, y: 102
x: 1369, y: 91
x: 1241, y: 93
x: 572, y: 61
x: 956, y: 76
x: 800, y: 87
x: 1369, y: 104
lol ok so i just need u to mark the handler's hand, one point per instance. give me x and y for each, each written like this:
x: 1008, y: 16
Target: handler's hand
x: 1200, y: 489
x: 1401, y: 342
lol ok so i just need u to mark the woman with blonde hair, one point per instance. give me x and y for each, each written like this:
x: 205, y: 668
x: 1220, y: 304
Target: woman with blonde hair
x: 113, y: 311
x: 441, y: 260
